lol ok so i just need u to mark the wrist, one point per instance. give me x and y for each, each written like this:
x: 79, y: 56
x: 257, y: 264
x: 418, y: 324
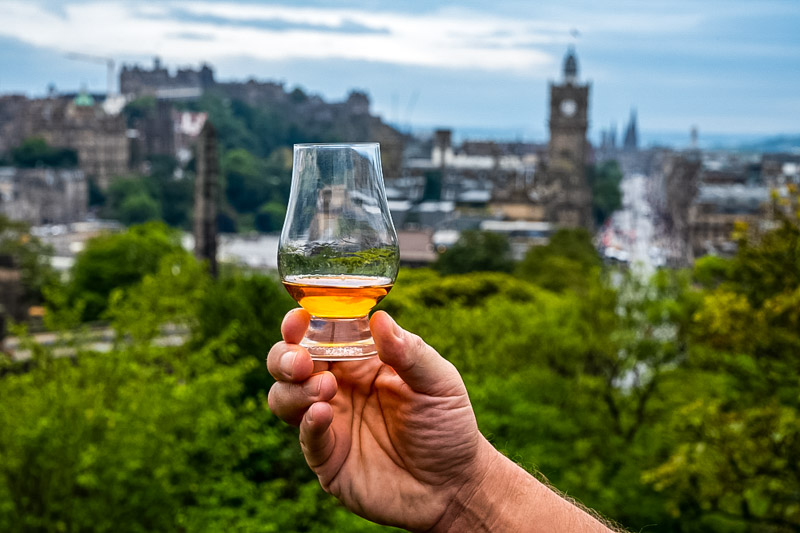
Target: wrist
x: 487, y: 502
x: 502, y: 497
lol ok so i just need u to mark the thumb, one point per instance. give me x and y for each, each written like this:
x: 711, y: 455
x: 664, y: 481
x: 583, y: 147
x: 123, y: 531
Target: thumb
x: 419, y: 365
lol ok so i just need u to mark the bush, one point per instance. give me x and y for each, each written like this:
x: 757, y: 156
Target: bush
x: 476, y: 251
x: 115, y: 261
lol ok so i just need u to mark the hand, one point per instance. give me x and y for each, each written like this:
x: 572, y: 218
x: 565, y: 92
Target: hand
x: 394, y: 437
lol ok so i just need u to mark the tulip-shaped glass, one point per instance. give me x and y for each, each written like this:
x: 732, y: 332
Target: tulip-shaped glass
x: 338, y: 254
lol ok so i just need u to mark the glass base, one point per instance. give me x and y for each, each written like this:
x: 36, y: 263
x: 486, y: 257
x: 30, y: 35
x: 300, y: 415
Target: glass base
x: 339, y: 339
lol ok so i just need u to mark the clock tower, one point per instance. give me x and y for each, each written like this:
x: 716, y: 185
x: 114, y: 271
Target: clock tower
x: 567, y: 193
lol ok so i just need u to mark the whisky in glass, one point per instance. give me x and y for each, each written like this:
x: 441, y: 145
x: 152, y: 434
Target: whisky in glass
x: 338, y: 255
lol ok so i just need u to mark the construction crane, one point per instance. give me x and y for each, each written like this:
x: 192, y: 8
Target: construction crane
x: 107, y: 61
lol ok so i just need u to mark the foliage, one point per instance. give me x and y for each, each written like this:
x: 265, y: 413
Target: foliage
x: 325, y: 259
x: 567, y: 261
x: 159, y: 195
x: 154, y: 436
x: 118, y: 261
x: 253, y: 305
x: 476, y: 251
x: 28, y: 254
x: 270, y: 217
x: 734, y: 463
x: 35, y: 152
x: 604, y: 180
x: 117, y: 443
x: 138, y: 108
x: 138, y: 209
x: 669, y: 404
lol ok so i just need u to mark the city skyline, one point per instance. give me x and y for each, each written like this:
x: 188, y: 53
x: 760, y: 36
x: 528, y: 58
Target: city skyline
x: 721, y: 66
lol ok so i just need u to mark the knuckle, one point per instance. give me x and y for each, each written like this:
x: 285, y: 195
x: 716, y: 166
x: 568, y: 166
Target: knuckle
x: 419, y: 345
x: 272, y: 401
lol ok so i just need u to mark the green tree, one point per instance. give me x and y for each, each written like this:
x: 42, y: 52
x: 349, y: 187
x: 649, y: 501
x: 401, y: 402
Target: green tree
x: 118, y: 442
x: 30, y: 255
x: 158, y: 437
x: 120, y: 260
x: 270, y: 217
x: 567, y: 261
x: 124, y: 187
x: 577, y: 384
x: 137, y: 209
x: 139, y: 108
x: 604, y: 180
x: 177, y: 201
x: 476, y: 251
x: 734, y: 464
x: 244, y: 180
x: 35, y: 152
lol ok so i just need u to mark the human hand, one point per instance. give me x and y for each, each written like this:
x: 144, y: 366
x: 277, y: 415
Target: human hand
x: 393, y: 437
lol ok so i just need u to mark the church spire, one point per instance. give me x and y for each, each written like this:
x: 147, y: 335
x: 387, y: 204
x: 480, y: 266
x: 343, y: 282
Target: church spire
x: 631, y: 133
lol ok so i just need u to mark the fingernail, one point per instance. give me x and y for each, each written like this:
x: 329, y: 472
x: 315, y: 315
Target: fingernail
x: 287, y: 362
x: 311, y: 413
x: 396, y: 329
x: 314, y: 385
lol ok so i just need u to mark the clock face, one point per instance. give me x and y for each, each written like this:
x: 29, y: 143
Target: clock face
x: 568, y: 107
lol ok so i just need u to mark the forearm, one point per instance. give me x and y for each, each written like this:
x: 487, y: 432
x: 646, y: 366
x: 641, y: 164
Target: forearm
x: 508, y: 499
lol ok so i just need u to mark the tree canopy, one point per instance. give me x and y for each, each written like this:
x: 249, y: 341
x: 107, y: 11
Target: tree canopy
x: 669, y: 404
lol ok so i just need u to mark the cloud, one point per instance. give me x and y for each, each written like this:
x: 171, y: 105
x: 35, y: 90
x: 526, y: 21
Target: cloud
x: 191, y: 36
x: 449, y: 39
x: 273, y: 23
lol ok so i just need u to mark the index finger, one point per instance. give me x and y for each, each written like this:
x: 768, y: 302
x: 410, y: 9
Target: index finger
x: 294, y: 325
x: 289, y: 362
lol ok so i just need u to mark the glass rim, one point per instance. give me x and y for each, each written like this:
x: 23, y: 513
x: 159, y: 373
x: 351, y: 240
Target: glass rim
x: 334, y: 145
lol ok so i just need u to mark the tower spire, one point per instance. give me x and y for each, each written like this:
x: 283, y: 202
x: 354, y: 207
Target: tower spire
x: 571, y: 65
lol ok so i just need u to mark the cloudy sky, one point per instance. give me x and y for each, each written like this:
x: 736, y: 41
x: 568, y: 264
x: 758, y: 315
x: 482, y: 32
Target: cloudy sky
x: 726, y: 66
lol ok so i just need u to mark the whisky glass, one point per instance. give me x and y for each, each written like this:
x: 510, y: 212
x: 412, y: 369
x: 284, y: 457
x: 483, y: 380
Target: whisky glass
x: 338, y: 254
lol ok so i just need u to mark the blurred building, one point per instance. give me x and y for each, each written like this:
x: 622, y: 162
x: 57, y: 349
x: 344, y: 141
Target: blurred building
x: 153, y: 132
x: 158, y: 82
x: 43, y: 195
x: 441, y: 180
x: 700, y: 199
x: 716, y: 211
x: 564, y: 190
x: 631, y: 140
x: 70, y: 121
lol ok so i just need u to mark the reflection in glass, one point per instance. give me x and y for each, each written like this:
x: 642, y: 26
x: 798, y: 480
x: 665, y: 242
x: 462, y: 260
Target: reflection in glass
x: 338, y: 254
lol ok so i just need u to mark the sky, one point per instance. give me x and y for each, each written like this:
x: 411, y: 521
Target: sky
x: 728, y: 67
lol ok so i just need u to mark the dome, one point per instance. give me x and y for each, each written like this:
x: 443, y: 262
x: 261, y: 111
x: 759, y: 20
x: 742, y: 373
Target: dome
x: 83, y: 99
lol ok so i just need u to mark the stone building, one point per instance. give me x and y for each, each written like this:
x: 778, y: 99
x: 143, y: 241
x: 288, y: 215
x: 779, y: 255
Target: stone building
x: 716, y: 211
x: 185, y: 83
x: 475, y: 175
x: 43, y: 195
x: 13, y: 109
x: 69, y: 122
x: 347, y: 121
x: 564, y: 188
x: 699, y: 199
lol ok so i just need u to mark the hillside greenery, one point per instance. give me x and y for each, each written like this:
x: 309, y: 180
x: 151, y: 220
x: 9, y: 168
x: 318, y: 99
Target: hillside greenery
x: 255, y: 145
x: 670, y: 404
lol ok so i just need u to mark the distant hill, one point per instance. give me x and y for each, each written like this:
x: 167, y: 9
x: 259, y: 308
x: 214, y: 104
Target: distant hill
x: 777, y: 143
x: 725, y: 141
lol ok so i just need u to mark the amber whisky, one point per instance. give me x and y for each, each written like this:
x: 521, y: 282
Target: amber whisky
x: 337, y: 296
